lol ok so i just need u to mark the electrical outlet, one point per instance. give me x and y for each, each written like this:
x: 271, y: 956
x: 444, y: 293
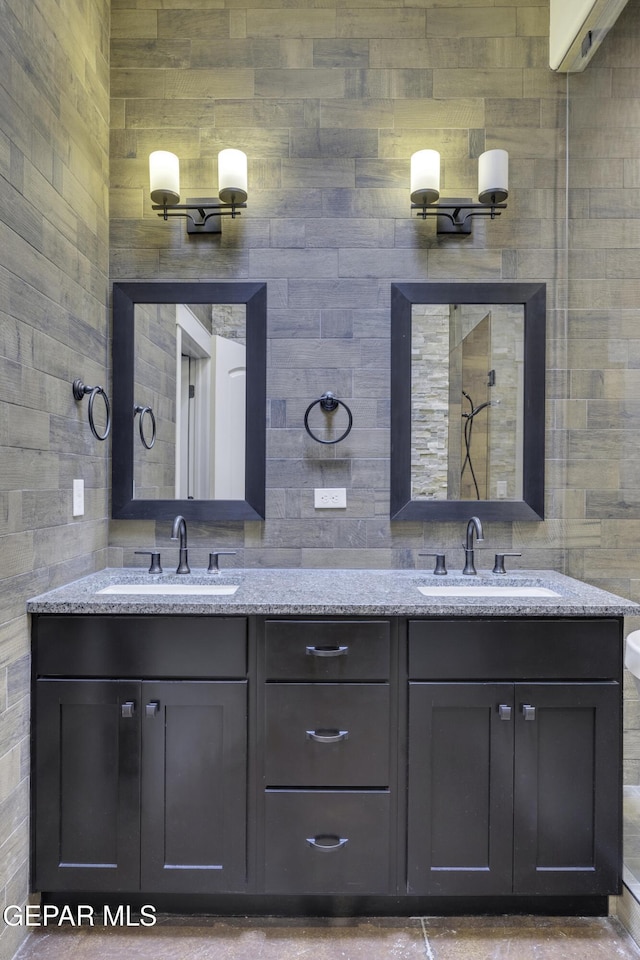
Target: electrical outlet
x: 501, y: 489
x: 78, y: 498
x: 330, y: 497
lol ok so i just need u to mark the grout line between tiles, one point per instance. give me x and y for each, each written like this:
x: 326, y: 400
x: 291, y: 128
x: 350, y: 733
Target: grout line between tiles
x: 427, y: 945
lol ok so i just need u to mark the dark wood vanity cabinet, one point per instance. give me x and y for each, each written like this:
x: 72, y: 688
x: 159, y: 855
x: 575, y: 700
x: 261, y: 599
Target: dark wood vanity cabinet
x: 330, y: 757
x: 140, y: 784
x: 326, y: 758
x: 501, y: 796
x: 514, y: 786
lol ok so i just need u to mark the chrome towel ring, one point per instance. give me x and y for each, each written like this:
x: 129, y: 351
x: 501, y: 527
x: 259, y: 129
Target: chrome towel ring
x: 145, y: 411
x: 79, y: 391
x: 329, y: 403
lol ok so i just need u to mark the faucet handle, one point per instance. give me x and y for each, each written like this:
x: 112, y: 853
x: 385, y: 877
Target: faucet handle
x: 440, y: 569
x: 154, y: 566
x: 213, y: 559
x: 499, y: 561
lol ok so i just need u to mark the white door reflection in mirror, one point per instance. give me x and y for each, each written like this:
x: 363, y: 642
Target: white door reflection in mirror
x: 229, y: 418
x: 211, y: 395
x: 190, y: 367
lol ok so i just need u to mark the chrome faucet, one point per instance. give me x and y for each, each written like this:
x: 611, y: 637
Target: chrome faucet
x: 179, y: 530
x: 469, y: 564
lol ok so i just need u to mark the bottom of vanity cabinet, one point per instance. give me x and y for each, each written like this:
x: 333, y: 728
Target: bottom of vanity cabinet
x: 313, y: 905
x: 327, y: 842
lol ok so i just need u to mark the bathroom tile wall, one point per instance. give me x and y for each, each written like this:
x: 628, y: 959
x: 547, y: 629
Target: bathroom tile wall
x: 329, y: 100
x: 54, y: 162
x: 601, y: 449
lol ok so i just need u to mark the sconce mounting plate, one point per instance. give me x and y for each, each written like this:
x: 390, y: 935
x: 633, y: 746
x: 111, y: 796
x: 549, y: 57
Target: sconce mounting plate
x: 455, y: 222
x: 211, y: 224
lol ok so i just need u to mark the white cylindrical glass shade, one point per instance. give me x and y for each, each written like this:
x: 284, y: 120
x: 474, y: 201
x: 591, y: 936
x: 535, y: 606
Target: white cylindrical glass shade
x: 232, y: 176
x: 425, y: 177
x: 493, y: 176
x: 164, y: 177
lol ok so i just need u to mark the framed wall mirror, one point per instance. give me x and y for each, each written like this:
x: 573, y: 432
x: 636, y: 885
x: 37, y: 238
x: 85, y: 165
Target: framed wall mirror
x: 467, y: 401
x: 189, y: 400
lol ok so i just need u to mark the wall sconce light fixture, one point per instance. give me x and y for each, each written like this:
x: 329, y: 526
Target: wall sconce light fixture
x: 454, y: 215
x: 203, y: 216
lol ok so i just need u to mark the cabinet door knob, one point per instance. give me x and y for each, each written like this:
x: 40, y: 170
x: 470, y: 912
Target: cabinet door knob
x: 504, y: 711
x: 327, y: 736
x: 327, y: 651
x: 152, y: 708
x: 327, y: 843
x: 528, y: 711
x: 127, y: 709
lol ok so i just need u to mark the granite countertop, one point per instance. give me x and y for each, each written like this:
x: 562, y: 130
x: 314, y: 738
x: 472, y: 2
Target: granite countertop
x: 336, y: 592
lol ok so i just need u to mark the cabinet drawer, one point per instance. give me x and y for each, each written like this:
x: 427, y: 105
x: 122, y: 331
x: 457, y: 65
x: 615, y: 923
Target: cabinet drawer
x: 327, y: 649
x: 514, y: 649
x: 327, y: 734
x: 145, y: 646
x: 327, y: 842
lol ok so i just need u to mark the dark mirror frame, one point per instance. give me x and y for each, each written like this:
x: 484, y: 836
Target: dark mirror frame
x: 125, y: 298
x: 532, y: 296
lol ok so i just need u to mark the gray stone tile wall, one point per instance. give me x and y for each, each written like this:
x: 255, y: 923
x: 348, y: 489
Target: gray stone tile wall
x: 54, y: 163
x: 329, y: 102
x: 598, y: 416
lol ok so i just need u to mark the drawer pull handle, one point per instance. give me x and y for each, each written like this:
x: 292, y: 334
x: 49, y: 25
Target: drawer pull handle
x: 152, y: 708
x: 327, y: 736
x: 528, y: 711
x: 127, y: 709
x: 327, y: 651
x: 504, y: 711
x: 327, y: 843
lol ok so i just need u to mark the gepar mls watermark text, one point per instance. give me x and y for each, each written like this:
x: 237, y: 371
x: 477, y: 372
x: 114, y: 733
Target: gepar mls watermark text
x: 82, y: 914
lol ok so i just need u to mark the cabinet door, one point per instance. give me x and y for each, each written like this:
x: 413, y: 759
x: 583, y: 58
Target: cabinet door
x: 193, y: 824
x: 86, y: 785
x: 567, y: 788
x: 460, y: 788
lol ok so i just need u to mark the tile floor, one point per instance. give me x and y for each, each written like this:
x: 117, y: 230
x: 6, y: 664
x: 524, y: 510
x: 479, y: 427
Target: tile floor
x: 428, y: 938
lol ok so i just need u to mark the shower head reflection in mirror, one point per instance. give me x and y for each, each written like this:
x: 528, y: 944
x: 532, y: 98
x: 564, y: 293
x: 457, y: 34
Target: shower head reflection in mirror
x: 456, y: 350
x: 462, y: 354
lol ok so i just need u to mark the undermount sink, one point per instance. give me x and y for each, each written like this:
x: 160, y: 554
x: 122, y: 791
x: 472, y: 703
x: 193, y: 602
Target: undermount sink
x: 486, y: 590
x: 168, y: 589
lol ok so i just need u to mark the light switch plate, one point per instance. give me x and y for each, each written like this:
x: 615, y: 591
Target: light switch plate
x: 329, y: 498
x: 78, y: 498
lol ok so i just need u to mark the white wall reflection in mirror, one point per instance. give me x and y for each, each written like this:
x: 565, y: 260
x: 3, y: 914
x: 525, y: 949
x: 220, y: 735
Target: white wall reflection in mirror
x: 190, y: 368
x: 467, y: 401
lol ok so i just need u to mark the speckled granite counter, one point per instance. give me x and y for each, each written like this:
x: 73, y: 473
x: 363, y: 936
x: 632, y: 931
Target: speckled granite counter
x: 337, y: 592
